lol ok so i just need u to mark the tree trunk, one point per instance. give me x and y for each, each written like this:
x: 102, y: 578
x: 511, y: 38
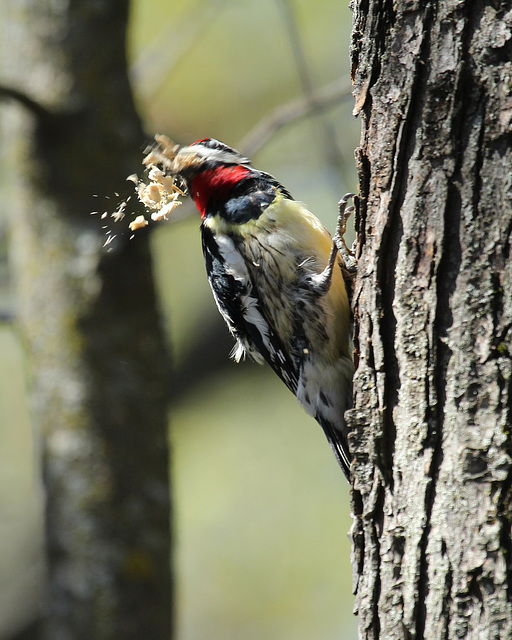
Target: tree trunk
x: 89, y: 320
x: 432, y: 552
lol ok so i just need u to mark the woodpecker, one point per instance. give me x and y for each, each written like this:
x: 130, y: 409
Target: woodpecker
x: 276, y: 276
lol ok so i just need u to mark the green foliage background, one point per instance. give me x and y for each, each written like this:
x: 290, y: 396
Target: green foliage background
x: 261, y: 509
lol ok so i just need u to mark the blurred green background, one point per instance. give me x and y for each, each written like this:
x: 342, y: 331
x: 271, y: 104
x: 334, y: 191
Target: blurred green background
x: 261, y: 508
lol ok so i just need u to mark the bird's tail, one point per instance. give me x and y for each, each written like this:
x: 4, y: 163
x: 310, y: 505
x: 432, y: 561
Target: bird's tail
x: 338, y: 442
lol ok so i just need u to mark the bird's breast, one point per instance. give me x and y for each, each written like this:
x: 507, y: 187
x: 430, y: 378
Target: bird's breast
x: 282, y: 249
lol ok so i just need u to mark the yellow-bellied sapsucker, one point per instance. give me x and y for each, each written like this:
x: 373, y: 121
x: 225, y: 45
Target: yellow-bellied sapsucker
x: 274, y: 272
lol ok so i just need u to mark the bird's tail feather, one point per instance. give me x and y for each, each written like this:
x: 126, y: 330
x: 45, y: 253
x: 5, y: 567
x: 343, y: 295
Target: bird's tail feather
x: 338, y: 443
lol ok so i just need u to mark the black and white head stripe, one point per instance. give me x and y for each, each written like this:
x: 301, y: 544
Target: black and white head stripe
x: 217, y: 151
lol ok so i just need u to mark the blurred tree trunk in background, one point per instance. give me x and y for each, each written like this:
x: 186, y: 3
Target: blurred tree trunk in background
x: 89, y: 320
x: 432, y: 552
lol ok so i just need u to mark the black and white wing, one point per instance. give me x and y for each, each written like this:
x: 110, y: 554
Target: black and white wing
x: 237, y: 300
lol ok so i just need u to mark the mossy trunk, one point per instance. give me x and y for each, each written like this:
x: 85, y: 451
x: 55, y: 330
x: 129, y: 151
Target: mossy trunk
x: 89, y: 319
x: 432, y: 552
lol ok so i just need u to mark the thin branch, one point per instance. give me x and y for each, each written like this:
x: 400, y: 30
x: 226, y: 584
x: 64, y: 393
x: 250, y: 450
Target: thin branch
x: 36, y: 108
x: 326, y: 97
x: 158, y: 59
x: 327, y: 140
x: 297, y: 47
x: 7, y: 316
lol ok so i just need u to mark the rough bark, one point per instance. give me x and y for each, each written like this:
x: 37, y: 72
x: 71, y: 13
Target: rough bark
x: 432, y: 552
x: 89, y: 320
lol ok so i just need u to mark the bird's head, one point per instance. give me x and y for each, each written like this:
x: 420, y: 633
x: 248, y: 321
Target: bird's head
x: 205, y: 155
x: 211, y: 169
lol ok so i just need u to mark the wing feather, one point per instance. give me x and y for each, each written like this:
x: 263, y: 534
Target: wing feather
x: 238, y: 302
